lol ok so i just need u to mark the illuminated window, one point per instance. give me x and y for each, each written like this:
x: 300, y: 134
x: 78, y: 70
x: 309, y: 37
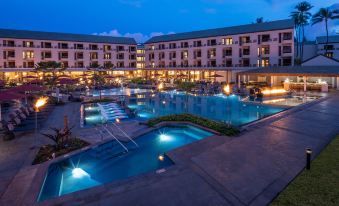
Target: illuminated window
x: 28, y: 54
x: 107, y: 56
x: 227, y: 41
x: 265, y: 62
x: 139, y: 59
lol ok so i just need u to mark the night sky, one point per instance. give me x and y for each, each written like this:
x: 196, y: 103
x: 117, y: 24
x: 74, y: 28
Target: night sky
x: 144, y: 18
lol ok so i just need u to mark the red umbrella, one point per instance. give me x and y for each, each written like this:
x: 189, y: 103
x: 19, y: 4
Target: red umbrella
x: 8, y: 96
x: 29, y: 77
x: 27, y: 88
x: 63, y: 76
x: 35, y: 81
x: 67, y: 81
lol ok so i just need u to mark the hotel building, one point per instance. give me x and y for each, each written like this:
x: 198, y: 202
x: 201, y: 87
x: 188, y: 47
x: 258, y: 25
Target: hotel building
x: 21, y: 50
x: 220, y: 53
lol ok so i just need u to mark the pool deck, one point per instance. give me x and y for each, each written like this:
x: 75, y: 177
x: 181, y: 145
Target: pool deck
x: 250, y: 169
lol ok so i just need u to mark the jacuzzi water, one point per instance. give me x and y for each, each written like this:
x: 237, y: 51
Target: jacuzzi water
x: 109, y: 162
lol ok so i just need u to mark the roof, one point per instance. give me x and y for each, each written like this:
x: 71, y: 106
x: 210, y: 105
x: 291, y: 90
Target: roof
x: 320, y: 55
x: 331, y: 39
x: 318, y: 71
x: 40, y: 35
x: 248, y: 28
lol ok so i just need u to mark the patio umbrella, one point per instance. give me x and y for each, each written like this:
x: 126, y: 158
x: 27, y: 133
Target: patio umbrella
x: 216, y: 75
x: 67, y: 81
x: 27, y: 88
x: 8, y: 96
x: 63, y: 76
x: 35, y: 81
x: 30, y: 77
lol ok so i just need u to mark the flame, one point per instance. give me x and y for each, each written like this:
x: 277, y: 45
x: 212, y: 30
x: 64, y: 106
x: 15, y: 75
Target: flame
x: 41, y: 102
x: 273, y: 91
x: 227, y: 89
x: 161, y: 86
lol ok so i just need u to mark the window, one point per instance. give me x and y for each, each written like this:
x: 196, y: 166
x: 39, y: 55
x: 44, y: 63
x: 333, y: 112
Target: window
x: 120, y: 48
x: 107, y: 48
x: 329, y: 54
x: 93, y: 55
x: 132, y: 48
x: 227, y: 41
x: 107, y: 56
x: 184, y: 44
x: 265, y: 62
x: 265, y: 38
x: 46, y: 55
x: 172, y: 45
x: 28, y: 44
x: 228, y: 52
x: 184, y: 54
x: 140, y: 65
x: 28, y: 54
x: 46, y: 45
x: 211, y: 42
x: 79, y: 55
x: 197, y: 54
x: 265, y: 50
x: 197, y: 44
x: 140, y: 51
x: 140, y: 59
x: 79, y: 46
x: 287, y: 49
x: 287, y: 36
x: 328, y: 47
x: 93, y: 47
x: 63, y: 46
x: 212, y: 53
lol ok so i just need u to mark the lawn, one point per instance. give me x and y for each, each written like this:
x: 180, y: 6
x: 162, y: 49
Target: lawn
x: 318, y: 186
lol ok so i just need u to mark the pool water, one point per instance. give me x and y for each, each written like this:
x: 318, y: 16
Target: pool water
x: 228, y: 109
x: 117, y: 92
x: 109, y: 162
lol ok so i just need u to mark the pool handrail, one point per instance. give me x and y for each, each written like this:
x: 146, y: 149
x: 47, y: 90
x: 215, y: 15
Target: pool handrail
x: 110, y: 133
x: 126, y: 134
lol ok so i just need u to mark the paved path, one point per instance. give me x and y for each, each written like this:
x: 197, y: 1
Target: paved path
x: 247, y: 170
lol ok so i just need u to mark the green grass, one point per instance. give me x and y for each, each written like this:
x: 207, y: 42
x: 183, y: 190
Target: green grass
x: 318, y: 186
x: 214, y: 125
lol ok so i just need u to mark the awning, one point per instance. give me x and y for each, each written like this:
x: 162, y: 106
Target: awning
x: 314, y: 71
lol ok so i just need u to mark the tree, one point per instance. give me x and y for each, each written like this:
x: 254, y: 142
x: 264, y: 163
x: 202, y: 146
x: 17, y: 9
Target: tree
x: 108, y: 65
x: 324, y: 15
x: 259, y: 20
x: 49, y: 67
x: 301, y: 17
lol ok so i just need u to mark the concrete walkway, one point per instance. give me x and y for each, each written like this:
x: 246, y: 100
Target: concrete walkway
x: 247, y: 170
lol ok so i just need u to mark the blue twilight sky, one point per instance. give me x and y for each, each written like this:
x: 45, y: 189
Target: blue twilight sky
x: 142, y: 19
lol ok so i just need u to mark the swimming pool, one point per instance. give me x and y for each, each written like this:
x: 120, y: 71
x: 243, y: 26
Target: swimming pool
x: 228, y: 109
x: 117, y: 92
x: 109, y: 162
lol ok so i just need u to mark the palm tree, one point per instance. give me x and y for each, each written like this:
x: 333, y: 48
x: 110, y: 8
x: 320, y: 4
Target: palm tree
x: 324, y: 15
x: 259, y: 20
x: 301, y: 16
x: 50, y: 66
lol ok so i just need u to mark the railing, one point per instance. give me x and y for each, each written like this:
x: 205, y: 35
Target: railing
x: 122, y: 131
x: 110, y: 133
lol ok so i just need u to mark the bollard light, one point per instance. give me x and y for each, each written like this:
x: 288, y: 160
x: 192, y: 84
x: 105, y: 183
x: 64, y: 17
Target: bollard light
x: 308, y: 158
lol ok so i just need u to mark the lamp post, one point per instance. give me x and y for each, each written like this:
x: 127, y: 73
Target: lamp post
x: 308, y: 158
x: 39, y: 103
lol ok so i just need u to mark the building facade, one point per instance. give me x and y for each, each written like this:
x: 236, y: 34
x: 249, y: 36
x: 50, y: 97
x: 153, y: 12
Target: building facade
x: 331, y: 49
x: 21, y: 50
x: 225, y: 51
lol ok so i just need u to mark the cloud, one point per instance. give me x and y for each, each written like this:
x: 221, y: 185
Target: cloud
x: 133, y: 3
x: 210, y: 11
x: 139, y: 37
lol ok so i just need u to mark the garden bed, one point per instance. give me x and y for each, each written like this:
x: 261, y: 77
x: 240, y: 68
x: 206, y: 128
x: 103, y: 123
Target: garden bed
x: 220, y: 127
x: 46, y: 152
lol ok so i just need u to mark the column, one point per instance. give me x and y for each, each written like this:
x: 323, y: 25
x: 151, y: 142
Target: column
x: 305, y: 83
x: 337, y: 83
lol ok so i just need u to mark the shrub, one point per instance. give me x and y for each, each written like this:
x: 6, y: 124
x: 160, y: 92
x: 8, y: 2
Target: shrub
x: 214, y: 125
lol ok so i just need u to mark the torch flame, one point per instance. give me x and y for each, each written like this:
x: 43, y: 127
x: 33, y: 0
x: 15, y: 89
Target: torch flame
x: 41, y: 102
x: 161, y: 86
x: 227, y: 89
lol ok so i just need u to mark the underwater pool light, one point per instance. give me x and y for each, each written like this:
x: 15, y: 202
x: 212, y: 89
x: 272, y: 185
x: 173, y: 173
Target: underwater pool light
x: 79, y: 173
x: 165, y: 138
x: 161, y: 157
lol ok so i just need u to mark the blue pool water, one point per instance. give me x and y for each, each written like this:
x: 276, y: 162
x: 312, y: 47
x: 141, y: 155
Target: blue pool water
x: 117, y: 92
x: 219, y: 107
x: 109, y: 162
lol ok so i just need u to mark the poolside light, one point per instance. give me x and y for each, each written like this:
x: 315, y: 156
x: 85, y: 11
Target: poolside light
x: 273, y: 91
x: 117, y: 120
x: 227, y: 89
x: 287, y: 80
x: 308, y: 158
x: 164, y: 102
x: 79, y: 173
x: 161, y: 157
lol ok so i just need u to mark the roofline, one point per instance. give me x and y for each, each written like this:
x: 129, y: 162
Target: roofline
x: 152, y: 42
x: 320, y: 55
x: 62, y: 33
